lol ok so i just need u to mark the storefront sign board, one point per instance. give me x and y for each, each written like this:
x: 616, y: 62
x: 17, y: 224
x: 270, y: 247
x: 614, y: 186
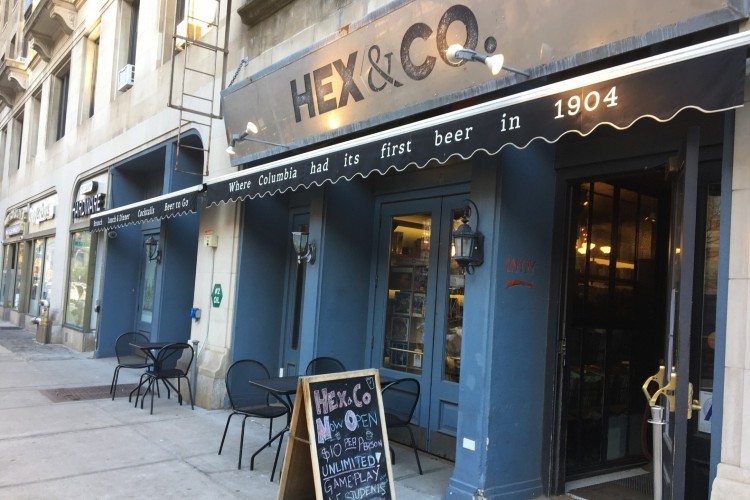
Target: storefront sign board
x: 616, y: 98
x: 394, y: 62
x: 338, y: 442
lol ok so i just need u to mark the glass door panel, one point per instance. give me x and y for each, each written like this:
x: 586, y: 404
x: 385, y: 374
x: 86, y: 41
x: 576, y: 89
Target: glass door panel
x: 49, y: 251
x: 148, y: 286
x: 37, y: 264
x: 454, y: 311
x: 296, y: 274
x: 408, y: 281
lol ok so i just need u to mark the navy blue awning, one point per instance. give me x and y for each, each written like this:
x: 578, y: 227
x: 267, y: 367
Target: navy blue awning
x: 160, y: 207
x: 708, y: 77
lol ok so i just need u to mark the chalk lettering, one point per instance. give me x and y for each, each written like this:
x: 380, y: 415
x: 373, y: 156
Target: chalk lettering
x: 324, y: 429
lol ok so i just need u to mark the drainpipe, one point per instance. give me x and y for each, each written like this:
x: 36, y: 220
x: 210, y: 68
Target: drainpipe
x: 194, y: 371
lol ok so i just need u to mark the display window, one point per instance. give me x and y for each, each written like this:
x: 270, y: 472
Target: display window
x: 80, y: 279
x: 14, y: 277
x: 41, y: 273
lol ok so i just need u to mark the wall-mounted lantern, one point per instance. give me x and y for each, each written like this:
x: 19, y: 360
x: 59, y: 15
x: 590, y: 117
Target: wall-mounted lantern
x: 303, y: 247
x: 468, y: 244
x: 153, y: 252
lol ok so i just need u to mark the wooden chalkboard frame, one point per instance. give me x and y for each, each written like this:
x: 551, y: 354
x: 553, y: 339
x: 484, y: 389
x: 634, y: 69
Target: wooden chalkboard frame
x: 300, y: 476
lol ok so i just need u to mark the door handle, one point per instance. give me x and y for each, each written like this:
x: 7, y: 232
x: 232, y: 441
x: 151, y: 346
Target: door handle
x: 656, y: 378
x: 667, y: 390
x: 693, y: 404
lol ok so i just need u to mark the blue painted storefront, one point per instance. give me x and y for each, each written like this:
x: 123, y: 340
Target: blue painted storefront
x: 149, y: 174
x: 502, y: 391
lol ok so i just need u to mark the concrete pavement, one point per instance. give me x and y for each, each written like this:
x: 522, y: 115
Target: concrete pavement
x: 104, y: 449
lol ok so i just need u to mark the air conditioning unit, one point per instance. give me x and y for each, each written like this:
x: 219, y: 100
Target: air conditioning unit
x: 126, y: 77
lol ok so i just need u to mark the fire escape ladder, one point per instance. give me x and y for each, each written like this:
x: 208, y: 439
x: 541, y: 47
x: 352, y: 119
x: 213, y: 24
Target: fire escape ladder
x: 197, y: 76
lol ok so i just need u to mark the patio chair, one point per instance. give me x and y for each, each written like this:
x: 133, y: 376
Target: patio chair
x: 169, y: 364
x: 324, y: 364
x: 399, y: 402
x: 128, y: 356
x: 248, y: 400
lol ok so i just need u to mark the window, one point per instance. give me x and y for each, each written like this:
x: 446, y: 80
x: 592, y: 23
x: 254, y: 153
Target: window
x: 92, y: 63
x: 133, y: 34
x: 194, y: 19
x: 3, y: 139
x: 17, y: 134
x: 41, y: 273
x: 63, y: 82
x: 80, y: 280
x: 8, y: 277
x: 19, y: 268
x: 36, y: 107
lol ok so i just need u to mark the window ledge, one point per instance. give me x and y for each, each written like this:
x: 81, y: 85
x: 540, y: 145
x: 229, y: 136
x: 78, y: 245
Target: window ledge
x: 255, y: 11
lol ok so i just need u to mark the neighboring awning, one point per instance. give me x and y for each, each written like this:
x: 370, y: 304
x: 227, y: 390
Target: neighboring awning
x: 167, y: 205
x: 708, y: 77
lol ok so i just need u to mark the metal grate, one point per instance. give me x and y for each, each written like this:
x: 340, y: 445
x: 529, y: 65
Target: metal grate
x: 65, y: 394
x: 639, y: 487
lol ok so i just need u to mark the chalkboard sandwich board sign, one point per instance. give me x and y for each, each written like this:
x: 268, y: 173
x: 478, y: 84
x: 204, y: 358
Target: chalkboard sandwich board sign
x: 338, y: 444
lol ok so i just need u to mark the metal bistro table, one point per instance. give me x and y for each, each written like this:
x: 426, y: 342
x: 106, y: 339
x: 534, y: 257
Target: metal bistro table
x: 283, y: 388
x: 150, y: 349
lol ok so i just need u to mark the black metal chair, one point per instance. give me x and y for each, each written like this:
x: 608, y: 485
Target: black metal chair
x: 128, y: 356
x: 324, y: 364
x: 400, y: 399
x: 170, y: 364
x: 252, y: 401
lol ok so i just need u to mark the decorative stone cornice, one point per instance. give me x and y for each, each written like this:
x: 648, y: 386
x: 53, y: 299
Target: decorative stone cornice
x: 42, y: 45
x: 50, y: 18
x: 7, y: 97
x: 15, y: 71
x: 65, y: 12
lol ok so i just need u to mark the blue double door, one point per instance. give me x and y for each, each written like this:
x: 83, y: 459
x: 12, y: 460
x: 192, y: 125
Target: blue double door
x: 418, y: 311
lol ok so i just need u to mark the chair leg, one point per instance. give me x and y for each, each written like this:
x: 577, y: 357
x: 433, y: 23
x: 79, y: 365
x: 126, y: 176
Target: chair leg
x: 138, y: 388
x: 229, y: 418
x: 270, y: 441
x: 190, y: 391
x: 393, y: 456
x: 414, y: 447
x: 152, y: 397
x: 113, y: 385
x: 149, y: 388
x: 242, y: 445
x: 275, y: 461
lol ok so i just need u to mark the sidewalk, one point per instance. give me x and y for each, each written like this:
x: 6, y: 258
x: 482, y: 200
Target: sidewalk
x: 104, y: 449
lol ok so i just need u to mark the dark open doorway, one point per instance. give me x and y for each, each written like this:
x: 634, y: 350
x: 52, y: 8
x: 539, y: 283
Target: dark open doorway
x: 615, y: 316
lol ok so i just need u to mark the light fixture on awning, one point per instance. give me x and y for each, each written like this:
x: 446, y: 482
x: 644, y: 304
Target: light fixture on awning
x: 250, y: 129
x: 457, y: 53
